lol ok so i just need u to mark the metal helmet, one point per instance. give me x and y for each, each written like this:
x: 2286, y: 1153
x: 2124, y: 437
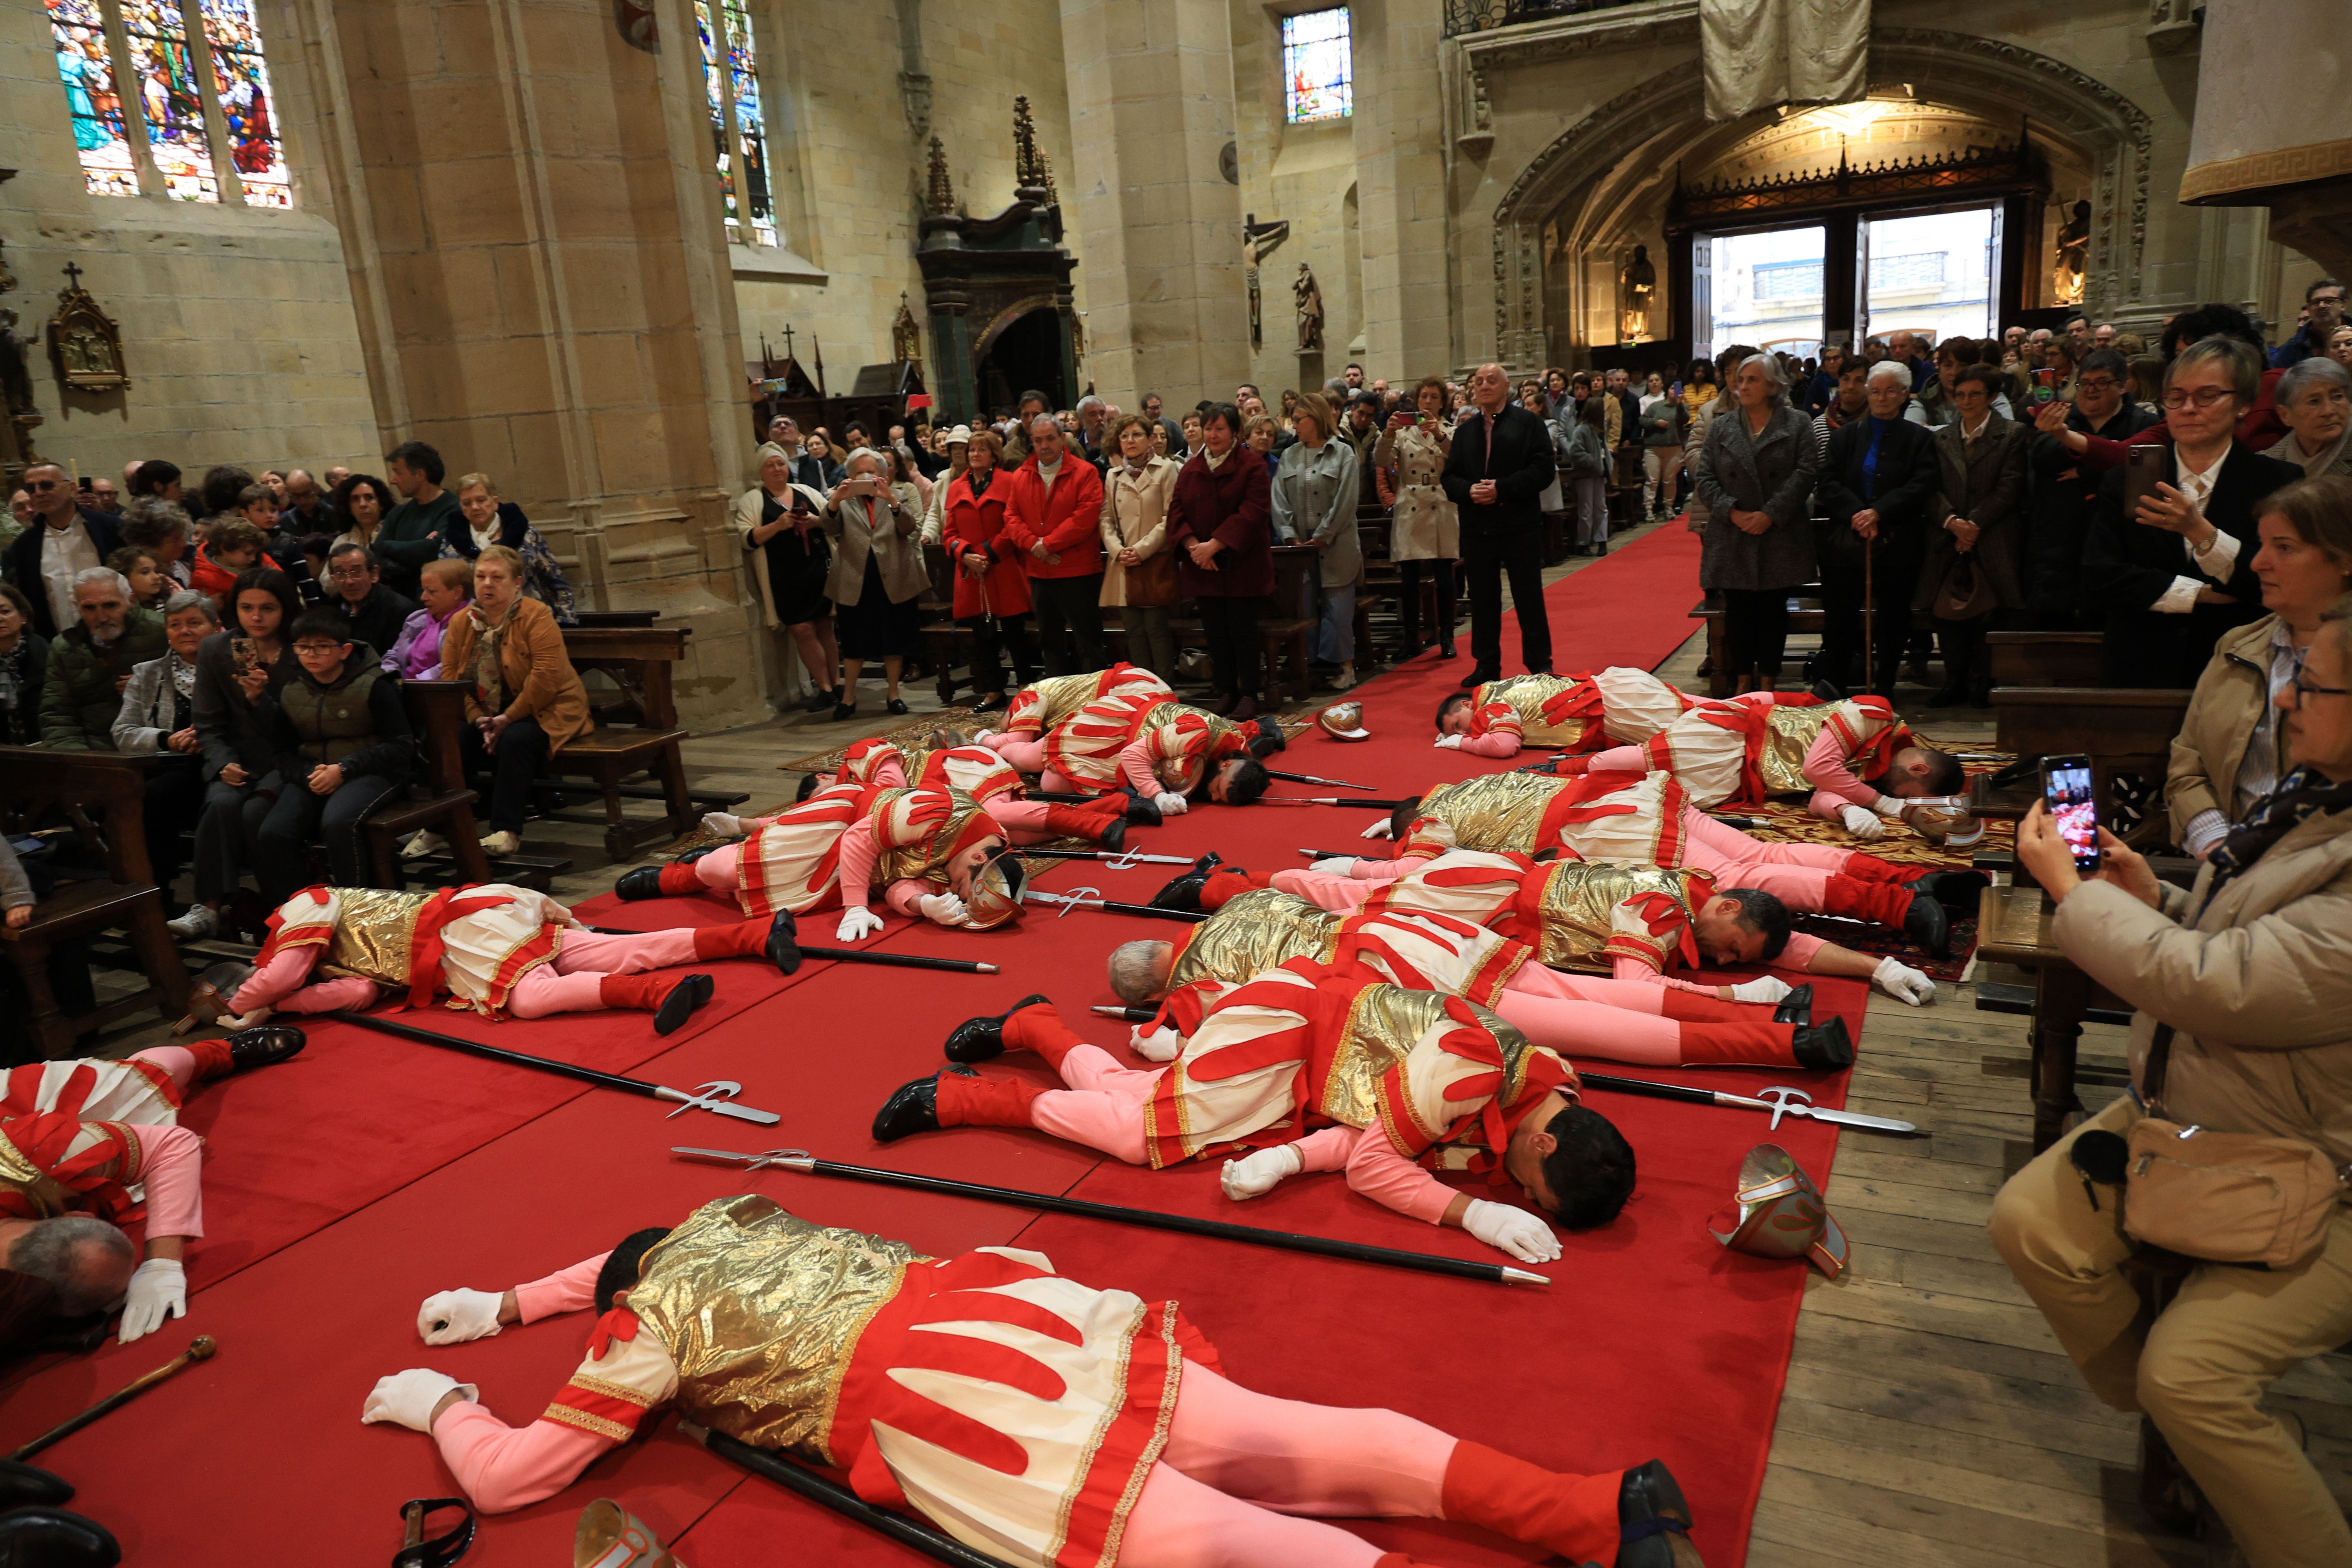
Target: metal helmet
x: 995, y: 896
x: 1343, y: 721
x: 1945, y: 820
x: 214, y: 995
x: 1780, y: 1214
x: 610, y: 1536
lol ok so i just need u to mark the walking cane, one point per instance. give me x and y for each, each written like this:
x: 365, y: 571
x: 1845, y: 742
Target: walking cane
x: 1869, y: 614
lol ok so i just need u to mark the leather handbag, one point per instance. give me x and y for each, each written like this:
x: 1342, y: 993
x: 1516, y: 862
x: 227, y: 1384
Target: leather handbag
x: 1965, y: 593
x: 2224, y: 1197
x: 1150, y: 582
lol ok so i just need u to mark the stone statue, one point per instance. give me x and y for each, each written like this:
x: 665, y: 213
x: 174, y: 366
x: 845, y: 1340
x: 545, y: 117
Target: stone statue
x: 906, y: 338
x: 2073, y: 255
x: 1310, y: 310
x: 1636, y: 282
x: 1257, y: 239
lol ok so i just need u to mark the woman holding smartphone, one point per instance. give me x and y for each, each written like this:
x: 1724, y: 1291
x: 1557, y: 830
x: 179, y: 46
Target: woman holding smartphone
x: 790, y: 562
x: 1424, y: 531
x: 238, y: 674
x: 879, y: 576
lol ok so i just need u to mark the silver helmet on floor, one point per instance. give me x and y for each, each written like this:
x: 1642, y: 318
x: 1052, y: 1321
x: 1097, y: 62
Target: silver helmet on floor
x: 1343, y: 721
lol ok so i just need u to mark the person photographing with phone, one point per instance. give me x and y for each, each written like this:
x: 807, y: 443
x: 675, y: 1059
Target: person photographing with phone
x: 2241, y: 1039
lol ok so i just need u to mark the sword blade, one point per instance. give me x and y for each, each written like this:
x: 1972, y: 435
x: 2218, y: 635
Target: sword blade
x: 1311, y: 778
x: 740, y: 1112
x: 1853, y: 1119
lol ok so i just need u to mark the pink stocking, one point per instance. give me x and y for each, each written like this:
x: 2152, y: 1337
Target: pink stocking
x: 175, y: 1061
x: 1628, y: 995
x: 542, y: 991
x: 1744, y: 849
x: 624, y: 953
x: 1302, y: 1458
x: 721, y: 870
x: 1592, y: 1030
x: 1103, y: 1107
x: 1029, y: 756
x: 1023, y: 819
x: 1618, y: 760
x: 1179, y: 1523
x: 1323, y: 891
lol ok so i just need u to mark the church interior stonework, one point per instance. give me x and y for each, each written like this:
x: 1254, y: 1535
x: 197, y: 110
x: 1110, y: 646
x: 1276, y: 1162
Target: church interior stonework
x: 673, y: 664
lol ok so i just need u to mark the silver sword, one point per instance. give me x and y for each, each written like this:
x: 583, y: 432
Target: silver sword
x: 1783, y: 1100
x: 715, y: 1096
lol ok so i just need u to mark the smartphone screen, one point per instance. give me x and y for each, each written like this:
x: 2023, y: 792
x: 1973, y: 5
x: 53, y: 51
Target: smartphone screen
x: 2066, y: 788
x: 2143, y: 469
x: 2045, y: 385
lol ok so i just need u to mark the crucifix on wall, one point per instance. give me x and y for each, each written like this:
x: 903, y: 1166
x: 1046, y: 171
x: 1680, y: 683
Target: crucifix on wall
x: 1257, y: 240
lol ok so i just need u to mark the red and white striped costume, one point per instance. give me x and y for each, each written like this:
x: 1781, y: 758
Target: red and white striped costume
x: 828, y: 849
x: 1607, y: 818
x: 1038, y: 1420
x: 1745, y: 749
x: 1042, y: 704
x: 57, y: 1161
x: 988, y: 778
x: 1618, y: 705
x: 1144, y: 741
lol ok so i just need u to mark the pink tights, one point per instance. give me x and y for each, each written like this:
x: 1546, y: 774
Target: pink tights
x: 574, y: 982
x: 1577, y: 1016
x: 175, y: 1060
x: 720, y: 870
x: 1343, y: 893
x: 1029, y: 756
x: 1793, y: 873
x: 1102, y: 1108
x: 1239, y: 1465
x: 1024, y: 820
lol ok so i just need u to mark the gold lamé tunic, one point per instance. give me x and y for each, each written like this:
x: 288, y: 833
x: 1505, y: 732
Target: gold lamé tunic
x: 373, y: 930
x: 1500, y: 812
x: 1263, y: 928
x: 1042, y: 704
x: 1572, y: 919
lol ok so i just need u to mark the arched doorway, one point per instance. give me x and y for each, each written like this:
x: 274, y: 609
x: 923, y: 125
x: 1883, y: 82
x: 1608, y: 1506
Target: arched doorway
x: 1021, y: 352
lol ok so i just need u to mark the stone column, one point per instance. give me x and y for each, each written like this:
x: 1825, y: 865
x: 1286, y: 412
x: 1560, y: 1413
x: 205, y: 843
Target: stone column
x: 1158, y: 226
x: 534, y: 227
x: 1401, y: 185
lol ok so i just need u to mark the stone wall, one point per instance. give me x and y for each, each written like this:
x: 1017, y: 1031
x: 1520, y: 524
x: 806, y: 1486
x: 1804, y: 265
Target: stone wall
x: 237, y: 321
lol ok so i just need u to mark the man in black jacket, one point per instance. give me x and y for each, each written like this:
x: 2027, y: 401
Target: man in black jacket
x: 1497, y: 469
x: 2171, y: 577
x: 73, y: 538
x: 372, y: 613
x: 1878, y: 490
x: 2065, y: 490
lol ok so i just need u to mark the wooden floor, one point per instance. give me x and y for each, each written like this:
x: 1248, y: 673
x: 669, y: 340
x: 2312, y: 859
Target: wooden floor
x: 1930, y: 1419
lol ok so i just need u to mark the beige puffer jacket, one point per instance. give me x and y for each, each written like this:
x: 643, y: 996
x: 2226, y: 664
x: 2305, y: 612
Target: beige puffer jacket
x: 2259, y: 989
x: 2211, y: 746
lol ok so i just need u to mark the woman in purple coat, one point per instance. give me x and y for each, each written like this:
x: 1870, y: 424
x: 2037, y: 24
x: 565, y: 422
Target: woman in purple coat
x: 1220, y: 520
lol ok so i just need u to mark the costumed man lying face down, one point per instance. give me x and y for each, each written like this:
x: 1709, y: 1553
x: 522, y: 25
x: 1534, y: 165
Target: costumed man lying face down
x: 1151, y: 745
x: 1621, y: 705
x: 1032, y: 1417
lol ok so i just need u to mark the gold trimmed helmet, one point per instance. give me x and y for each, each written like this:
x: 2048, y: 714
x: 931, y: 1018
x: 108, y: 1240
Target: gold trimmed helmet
x: 1778, y: 1212
x: 213, y: 996
x: 1945, y: 820
x: 610, y: 1536
x: 1343, y: 721
x: 995, y: 896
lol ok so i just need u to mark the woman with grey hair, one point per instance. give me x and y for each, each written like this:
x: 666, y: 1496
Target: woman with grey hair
x: 159, y: 716
x: 878, y: 576
x: 2315, y: 403
x: 1756, y: 475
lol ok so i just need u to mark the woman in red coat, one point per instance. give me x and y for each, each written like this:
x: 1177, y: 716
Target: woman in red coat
x: 1219, y: 517
x: 991, y: 587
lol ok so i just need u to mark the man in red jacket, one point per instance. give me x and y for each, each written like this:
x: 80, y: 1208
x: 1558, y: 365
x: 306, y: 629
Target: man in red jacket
x: 1054, y: 518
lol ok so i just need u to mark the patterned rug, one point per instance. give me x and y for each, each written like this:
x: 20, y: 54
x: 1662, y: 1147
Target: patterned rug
x: 918, y: 732
x: 1878, y: 940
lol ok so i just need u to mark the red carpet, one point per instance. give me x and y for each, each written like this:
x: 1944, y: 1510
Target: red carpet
x: 349, y: 1184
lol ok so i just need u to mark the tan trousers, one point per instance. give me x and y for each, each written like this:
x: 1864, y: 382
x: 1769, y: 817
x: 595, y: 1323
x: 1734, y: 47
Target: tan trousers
x: 2201, y: 1371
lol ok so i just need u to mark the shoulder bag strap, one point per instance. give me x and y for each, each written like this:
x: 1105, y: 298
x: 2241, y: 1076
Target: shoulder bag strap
x: 2159, y: 1057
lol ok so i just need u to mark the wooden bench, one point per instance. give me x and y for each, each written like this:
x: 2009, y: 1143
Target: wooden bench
x: 103, y: 796
x: 2013, y: 927
x: 1804, y: 615
x: 441, y: 802
x: 2045, y: 658
x: 2122, y: 730
x: 636, y: 729
x: 593, y: 619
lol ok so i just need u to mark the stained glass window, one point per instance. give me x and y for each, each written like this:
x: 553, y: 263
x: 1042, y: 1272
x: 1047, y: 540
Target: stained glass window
x: 247, y: 108
x: 730, y: 76
x: 160, y: 132
x: 1318, y: 80
x: 86, y: 64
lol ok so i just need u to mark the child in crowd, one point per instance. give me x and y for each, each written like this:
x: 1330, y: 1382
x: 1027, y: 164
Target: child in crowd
x: 447, y: 587
x: 149, y: 586
x: 233, y: 546
x: 342, y: 744
x: 161, y: 528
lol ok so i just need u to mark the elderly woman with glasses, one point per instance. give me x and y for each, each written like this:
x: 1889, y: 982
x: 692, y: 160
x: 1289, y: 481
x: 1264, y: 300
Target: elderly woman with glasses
x: 2173, y: 570
x: 2315, y: 401
x: 1754, y: 473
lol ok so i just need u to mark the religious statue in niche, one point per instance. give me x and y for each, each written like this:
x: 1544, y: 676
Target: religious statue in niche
x: 634, y: 20
x: 1637, y: 282
x: 2073, y: 255
x: 1257, y: 239
x: 84, y: 340
x: 906, y: 338
x: 1309, y: 297
x: 16, y: 452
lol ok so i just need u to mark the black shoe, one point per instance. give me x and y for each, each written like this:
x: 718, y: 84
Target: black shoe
x: 894, y: 706
x: 1926, y: 924
x: 1445, y: 649
x: 1824, y: 1045
x: 994, y: 702
x: 819, y: 701
x: 1947, y: 696
x: 982, y: 1039
x: 1796, y: 1007
x: 1829, y: 690
x: 1480, y: 677
x: 53, y: 1537
x: 842, y: 711
x: 912, y: 1107
x: 1953, y: 889
x: 1184, y: 891
x: 686, y: 998
x: 1141, y: 812
x: 26, y: 1485
x: 260, y: 1047
x: 1114, y: 835
x: 784, y: 943
x: 1653, y: 1521
x: 639, y: 883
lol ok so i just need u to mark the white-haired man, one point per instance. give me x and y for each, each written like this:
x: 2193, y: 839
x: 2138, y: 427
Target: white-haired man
x: 1878, y: 484
x: 92, y: 663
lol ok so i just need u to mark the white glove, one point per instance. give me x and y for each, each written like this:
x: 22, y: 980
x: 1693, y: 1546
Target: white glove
x: 407, y: 1398
x: 159, y: 1290
x: 1861, y: 821
x: 1336, y: 866
x: 725, y: 823
x: 981, y: 739
x: 856, y: 923
x: 1903, y: 983
x: 1171, y: 803
x: 453, y: 1317
x: 1770, y: 988
x: 233, y: 1022
x: 1449, y: 743
x: 1160, y: 1044
x: 1255, y: 1175
x: 941, y: 908
x: 1513, y: 1230
x: 1890, y: 807
x: 1377, y: 830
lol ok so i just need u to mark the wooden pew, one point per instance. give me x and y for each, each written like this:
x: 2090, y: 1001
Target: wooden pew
x: 2045, y: 658
x: 636, y: 730
x: 440, y: 802
x: 102, y: 795
x: 2121, y: 730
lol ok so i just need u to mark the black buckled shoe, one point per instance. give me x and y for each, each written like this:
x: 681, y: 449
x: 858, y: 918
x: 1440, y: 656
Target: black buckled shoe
x: 1823, y: 1045
x: 27, y: 1486
x: 1114, y: 835
x: 1953, y: 889
x: 692, y: 855
x: 913, y: 1106
x: 1183, y: 892
x: 639, y: 883
x: 1926, y: 924
x: 982, y: 1039
x: 53, y: 1537
x: 784, y: 942
x: 1653, y: 1521
x: 686, y: 998
x: 1796, y: 1007
x: 1142, y: 812
x: 1828, y: 690
x: 261, y: 1045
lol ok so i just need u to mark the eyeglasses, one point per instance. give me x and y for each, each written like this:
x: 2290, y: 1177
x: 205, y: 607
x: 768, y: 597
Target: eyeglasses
x: 318, y: 649
x: 2095, y: 383
x: 41, y: 487
x: 2318, y: 300
x: 2303, y: 687
x: 2203, y: 396
x: 348, y: 573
